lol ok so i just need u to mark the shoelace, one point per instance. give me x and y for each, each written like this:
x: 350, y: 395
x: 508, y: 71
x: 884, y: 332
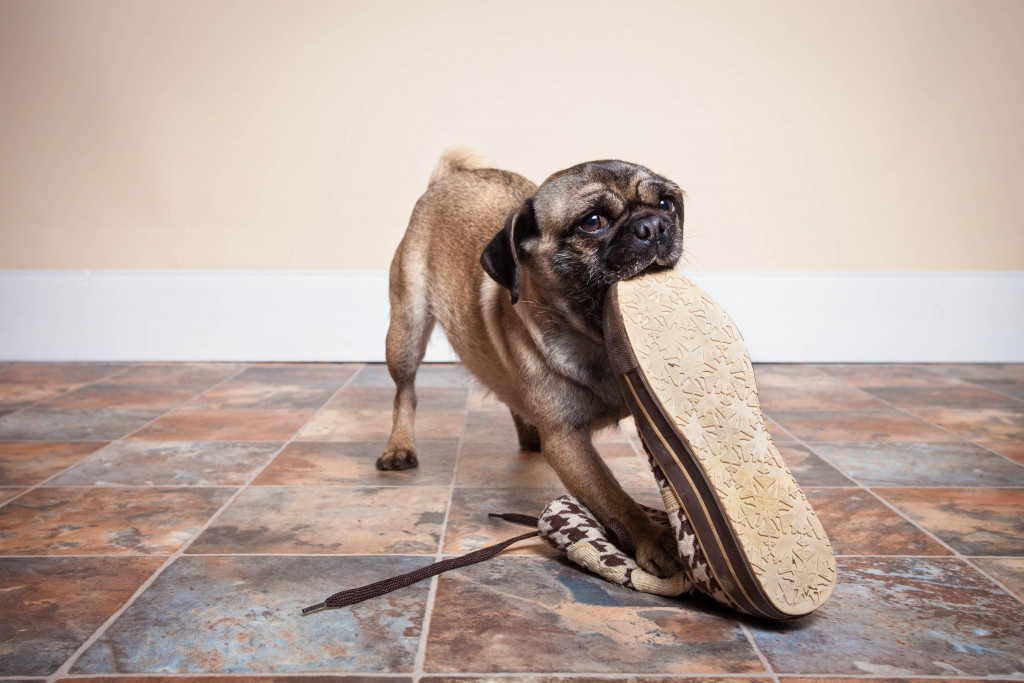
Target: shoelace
x: 373, y: 590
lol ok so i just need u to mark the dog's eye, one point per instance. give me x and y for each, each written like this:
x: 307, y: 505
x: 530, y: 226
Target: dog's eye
x: 593, y: 223
x: 668, y: 206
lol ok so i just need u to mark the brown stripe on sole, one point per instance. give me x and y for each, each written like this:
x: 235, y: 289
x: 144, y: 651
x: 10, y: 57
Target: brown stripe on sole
x: 687, y: 377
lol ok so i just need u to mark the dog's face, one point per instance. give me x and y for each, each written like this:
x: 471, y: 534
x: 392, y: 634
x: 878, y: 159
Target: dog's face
x: 587, y: 227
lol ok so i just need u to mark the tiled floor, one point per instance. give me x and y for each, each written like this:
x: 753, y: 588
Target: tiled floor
x: 170, y: 520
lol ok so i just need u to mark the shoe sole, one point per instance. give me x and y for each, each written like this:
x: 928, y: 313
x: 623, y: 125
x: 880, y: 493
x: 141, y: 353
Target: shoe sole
x: 686, y: 375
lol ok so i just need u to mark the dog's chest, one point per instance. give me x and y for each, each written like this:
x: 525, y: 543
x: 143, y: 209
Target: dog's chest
x: 584, y: 366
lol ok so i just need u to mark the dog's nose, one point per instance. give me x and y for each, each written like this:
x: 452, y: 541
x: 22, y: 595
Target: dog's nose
x: 647, y: 228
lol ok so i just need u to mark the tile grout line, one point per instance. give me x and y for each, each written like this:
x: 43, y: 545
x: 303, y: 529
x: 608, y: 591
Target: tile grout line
x: 954, y: 553
x: 769, y: 670
x: 757, y: 650
x: 924, y: 419
x: 428, y: 610
x: 240, y: 677
x: 965, y: 559
x: 105, y: 442
x: 511, y: 675
x: 180, y: 552
x: 64, y: 393
x: 981, y: 386
x: 877, y: 496
x: 515, y: 675
x: 111, y: 442
x: 962, y: 438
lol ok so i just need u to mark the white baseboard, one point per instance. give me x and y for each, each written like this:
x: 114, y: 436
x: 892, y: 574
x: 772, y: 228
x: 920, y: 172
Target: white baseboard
x: 343, y: 316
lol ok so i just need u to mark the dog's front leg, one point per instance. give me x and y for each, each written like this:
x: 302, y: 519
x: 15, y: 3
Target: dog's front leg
x: 573, y: 456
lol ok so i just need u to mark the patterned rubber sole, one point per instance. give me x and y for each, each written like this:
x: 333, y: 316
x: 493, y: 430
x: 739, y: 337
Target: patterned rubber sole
x: 687, y: 377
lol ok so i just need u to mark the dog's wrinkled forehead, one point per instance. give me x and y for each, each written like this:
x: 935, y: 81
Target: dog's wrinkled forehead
x: 611, y: 185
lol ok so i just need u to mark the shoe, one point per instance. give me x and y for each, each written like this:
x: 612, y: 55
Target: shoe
x: 687, y: 377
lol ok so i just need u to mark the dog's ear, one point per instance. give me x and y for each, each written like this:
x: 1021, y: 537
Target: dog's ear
x: 501, y: 256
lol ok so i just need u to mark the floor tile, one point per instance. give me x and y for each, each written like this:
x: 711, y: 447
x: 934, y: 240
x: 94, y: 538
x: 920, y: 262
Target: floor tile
x: 47, y: 424
x: 623, y: 678
x: 123, y: 397
x: 838, y: 397
x: 494, y: 426
x: 354, y: 463
x: 334, y: 375
x: 60, y: 374
x: 790, y: 375
x: 1014, y: 389
x: 1008, y: 571
x: 51, y: 605
x: 623, y: 432
x: 903, y: 608
x: 185, y: 424
x: 1006, y: 378
x: 972, y: 521
x: 891, y: 679
x: 470, y: 528
x: 857, y: 523
x: 982, y: 372
x: 196, y: 375
x: 900, y: 617
x: 239, y: 394
x: 326, y: 519
x: 965, y: 396
x: 15, y: 396
x: 630, y: 469
x: 375, y: 425
x: 922, y: 464
x: 503, y: 465
x: 105, y: 521
x: 27, y: 463
x: 809, y: 469
x: 9, y: 492
x: 557, y: 618
x: 889, y: 374
x: 874, y: 425
x: 428, y: 375
x: 170, y: 463
x: 240, y: 615
x: 235, y: 678
x: 428, y: 399
x: 480, y: 398
x: 1011, y: 449
x: 778, y: 434
x: 991, y: 424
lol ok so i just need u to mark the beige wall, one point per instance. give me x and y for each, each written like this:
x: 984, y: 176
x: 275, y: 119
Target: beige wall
x: 858, y: 135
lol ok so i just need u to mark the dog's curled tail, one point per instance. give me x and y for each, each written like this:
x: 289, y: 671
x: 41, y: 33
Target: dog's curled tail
x: 456, y: 159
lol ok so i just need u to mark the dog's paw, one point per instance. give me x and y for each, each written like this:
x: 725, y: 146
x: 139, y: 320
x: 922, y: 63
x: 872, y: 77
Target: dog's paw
x: 657, y: 553
x: 397, y: 459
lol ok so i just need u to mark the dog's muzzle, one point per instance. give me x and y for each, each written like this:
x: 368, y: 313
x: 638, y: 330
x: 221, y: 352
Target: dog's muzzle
x: 659, y: 237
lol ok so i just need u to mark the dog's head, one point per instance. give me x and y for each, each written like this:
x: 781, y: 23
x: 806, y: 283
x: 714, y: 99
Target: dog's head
x: 587, y: 227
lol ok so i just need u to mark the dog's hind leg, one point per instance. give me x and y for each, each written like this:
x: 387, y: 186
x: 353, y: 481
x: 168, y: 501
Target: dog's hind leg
x: 411, y: 324
x: 529, y: 437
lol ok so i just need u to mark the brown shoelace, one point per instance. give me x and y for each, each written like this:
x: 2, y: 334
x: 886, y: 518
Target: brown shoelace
x: 373, y: 590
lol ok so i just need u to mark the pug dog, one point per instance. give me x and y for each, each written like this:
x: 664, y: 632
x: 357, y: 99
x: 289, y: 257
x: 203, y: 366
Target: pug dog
x: 516, y: 274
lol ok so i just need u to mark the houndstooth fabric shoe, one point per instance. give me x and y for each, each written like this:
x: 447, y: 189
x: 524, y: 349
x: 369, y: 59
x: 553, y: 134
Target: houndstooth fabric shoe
x: 567, y: 525
x: 686, y: 375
